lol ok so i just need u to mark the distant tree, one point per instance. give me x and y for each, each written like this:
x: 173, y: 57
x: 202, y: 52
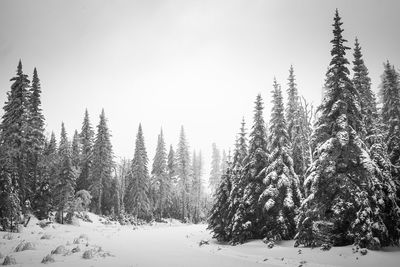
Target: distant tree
x: 282, y: 196
x: 76, y: 150
x: 183, y: 173
x: 102, y: 169
x: 224, y: 162
x: 137, y: 199
x: 215, y: 173
x: 160, y: 176
x: 197, y: 186
x: 65, y: 187
x: 43, y: 201
x: 86, y: 139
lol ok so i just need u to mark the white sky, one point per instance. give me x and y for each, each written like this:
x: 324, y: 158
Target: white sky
x: 168, y: 63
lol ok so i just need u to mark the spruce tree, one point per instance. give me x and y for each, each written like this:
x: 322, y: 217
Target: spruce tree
x: 183, y: 174
x: 249, y: 218
x: 218, y: 220
x: 236, y: 194
x: 138, y: 202
x: 102, y: 169
x: 13, y: 131
x: 160, y: 176
x: 390, y: 96
x: 173, y: 209
x: 75, y: 156
x: 9, y: 199
x: 34, y: 135
x: 281, y: 198
x: 215, y: 173
x: 295, y: 127
x: 196, y: 188
x: 86, y: 138
x: 43, y: 201
x: 65, y: 187
x: 224, y: 161
x: 342, y: 191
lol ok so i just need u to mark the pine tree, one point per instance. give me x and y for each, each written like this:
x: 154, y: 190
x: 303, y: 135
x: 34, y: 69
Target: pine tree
x: 224, y: 163
x: 295, y: 127
x: 362, y: 83
x: 13, y: 131
x: 219, y: 220
x: 43, y: 201
x: 137, y: 199
x: 215, y: 173
x: 342, y: 191
x: 183, y: 174
x: 249, y: 216
x: 86, y: 138
x: 102, y: 168
x: 390, y: 96
x: 160, y: 176
x: 65, y: 187
x: 34, y: 135
x: 173, y: 209
x: 281, y: 198
x: 196, y: 187
x: 75, y: 156
x: 236, y: 194
x: 9, y: 199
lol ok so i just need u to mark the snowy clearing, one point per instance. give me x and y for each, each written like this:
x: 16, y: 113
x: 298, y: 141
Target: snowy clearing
x: 171, y: 244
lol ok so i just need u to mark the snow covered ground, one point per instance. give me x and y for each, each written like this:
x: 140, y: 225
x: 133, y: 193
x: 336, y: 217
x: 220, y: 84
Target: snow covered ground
x: 171, y: 244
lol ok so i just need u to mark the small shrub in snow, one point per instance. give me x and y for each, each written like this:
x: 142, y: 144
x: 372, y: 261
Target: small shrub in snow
x: 203, y: 242
x: 76, y: 249
x: 48, y: 259
x: 46, y: 236
x: 271, y: 244
x: 20, y: 228
x: 88, y: 254
x: 44, y: 223
x: 363, y: 251
x: 29, y: 246
x: 9, y: 260
x: 326, y: 246
x: 59, y: 250
x: 19, y: 247
x: 8, y: 236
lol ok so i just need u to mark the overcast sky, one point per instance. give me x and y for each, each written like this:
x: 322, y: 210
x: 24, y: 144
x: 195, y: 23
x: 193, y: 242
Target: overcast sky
x: 170, y: 63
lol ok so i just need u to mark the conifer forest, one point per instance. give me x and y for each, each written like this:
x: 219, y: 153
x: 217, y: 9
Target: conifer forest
x: 298, y: 175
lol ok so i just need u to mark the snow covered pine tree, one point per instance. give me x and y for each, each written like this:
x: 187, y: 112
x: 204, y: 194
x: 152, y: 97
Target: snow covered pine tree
x: 343, y: 195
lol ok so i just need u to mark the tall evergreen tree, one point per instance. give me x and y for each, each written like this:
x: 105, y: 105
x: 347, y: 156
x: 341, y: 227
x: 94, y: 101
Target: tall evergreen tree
x: 218, y: 220
x: 295, y: 127
x: 102, y: 168
x: 249, y: 216
x: 183, y: 173
x: 75, y: 150
x: 390, y: 96
x: 86, y: 138
x: 13, y: 131
x: 34, y: 135
x: 281, y: 198
x: 342, y: 191
x: 237, y: 187
x: 160, y: 176
x: 196, y: 188
x: 215, y: 173
x: 138, y: 201
x: 65, y: 186
x: 9, y: 199
x: 224, y: 162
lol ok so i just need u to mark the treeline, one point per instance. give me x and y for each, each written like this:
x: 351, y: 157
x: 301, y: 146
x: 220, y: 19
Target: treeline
x: 333, y: 182
x: 42, y: 176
